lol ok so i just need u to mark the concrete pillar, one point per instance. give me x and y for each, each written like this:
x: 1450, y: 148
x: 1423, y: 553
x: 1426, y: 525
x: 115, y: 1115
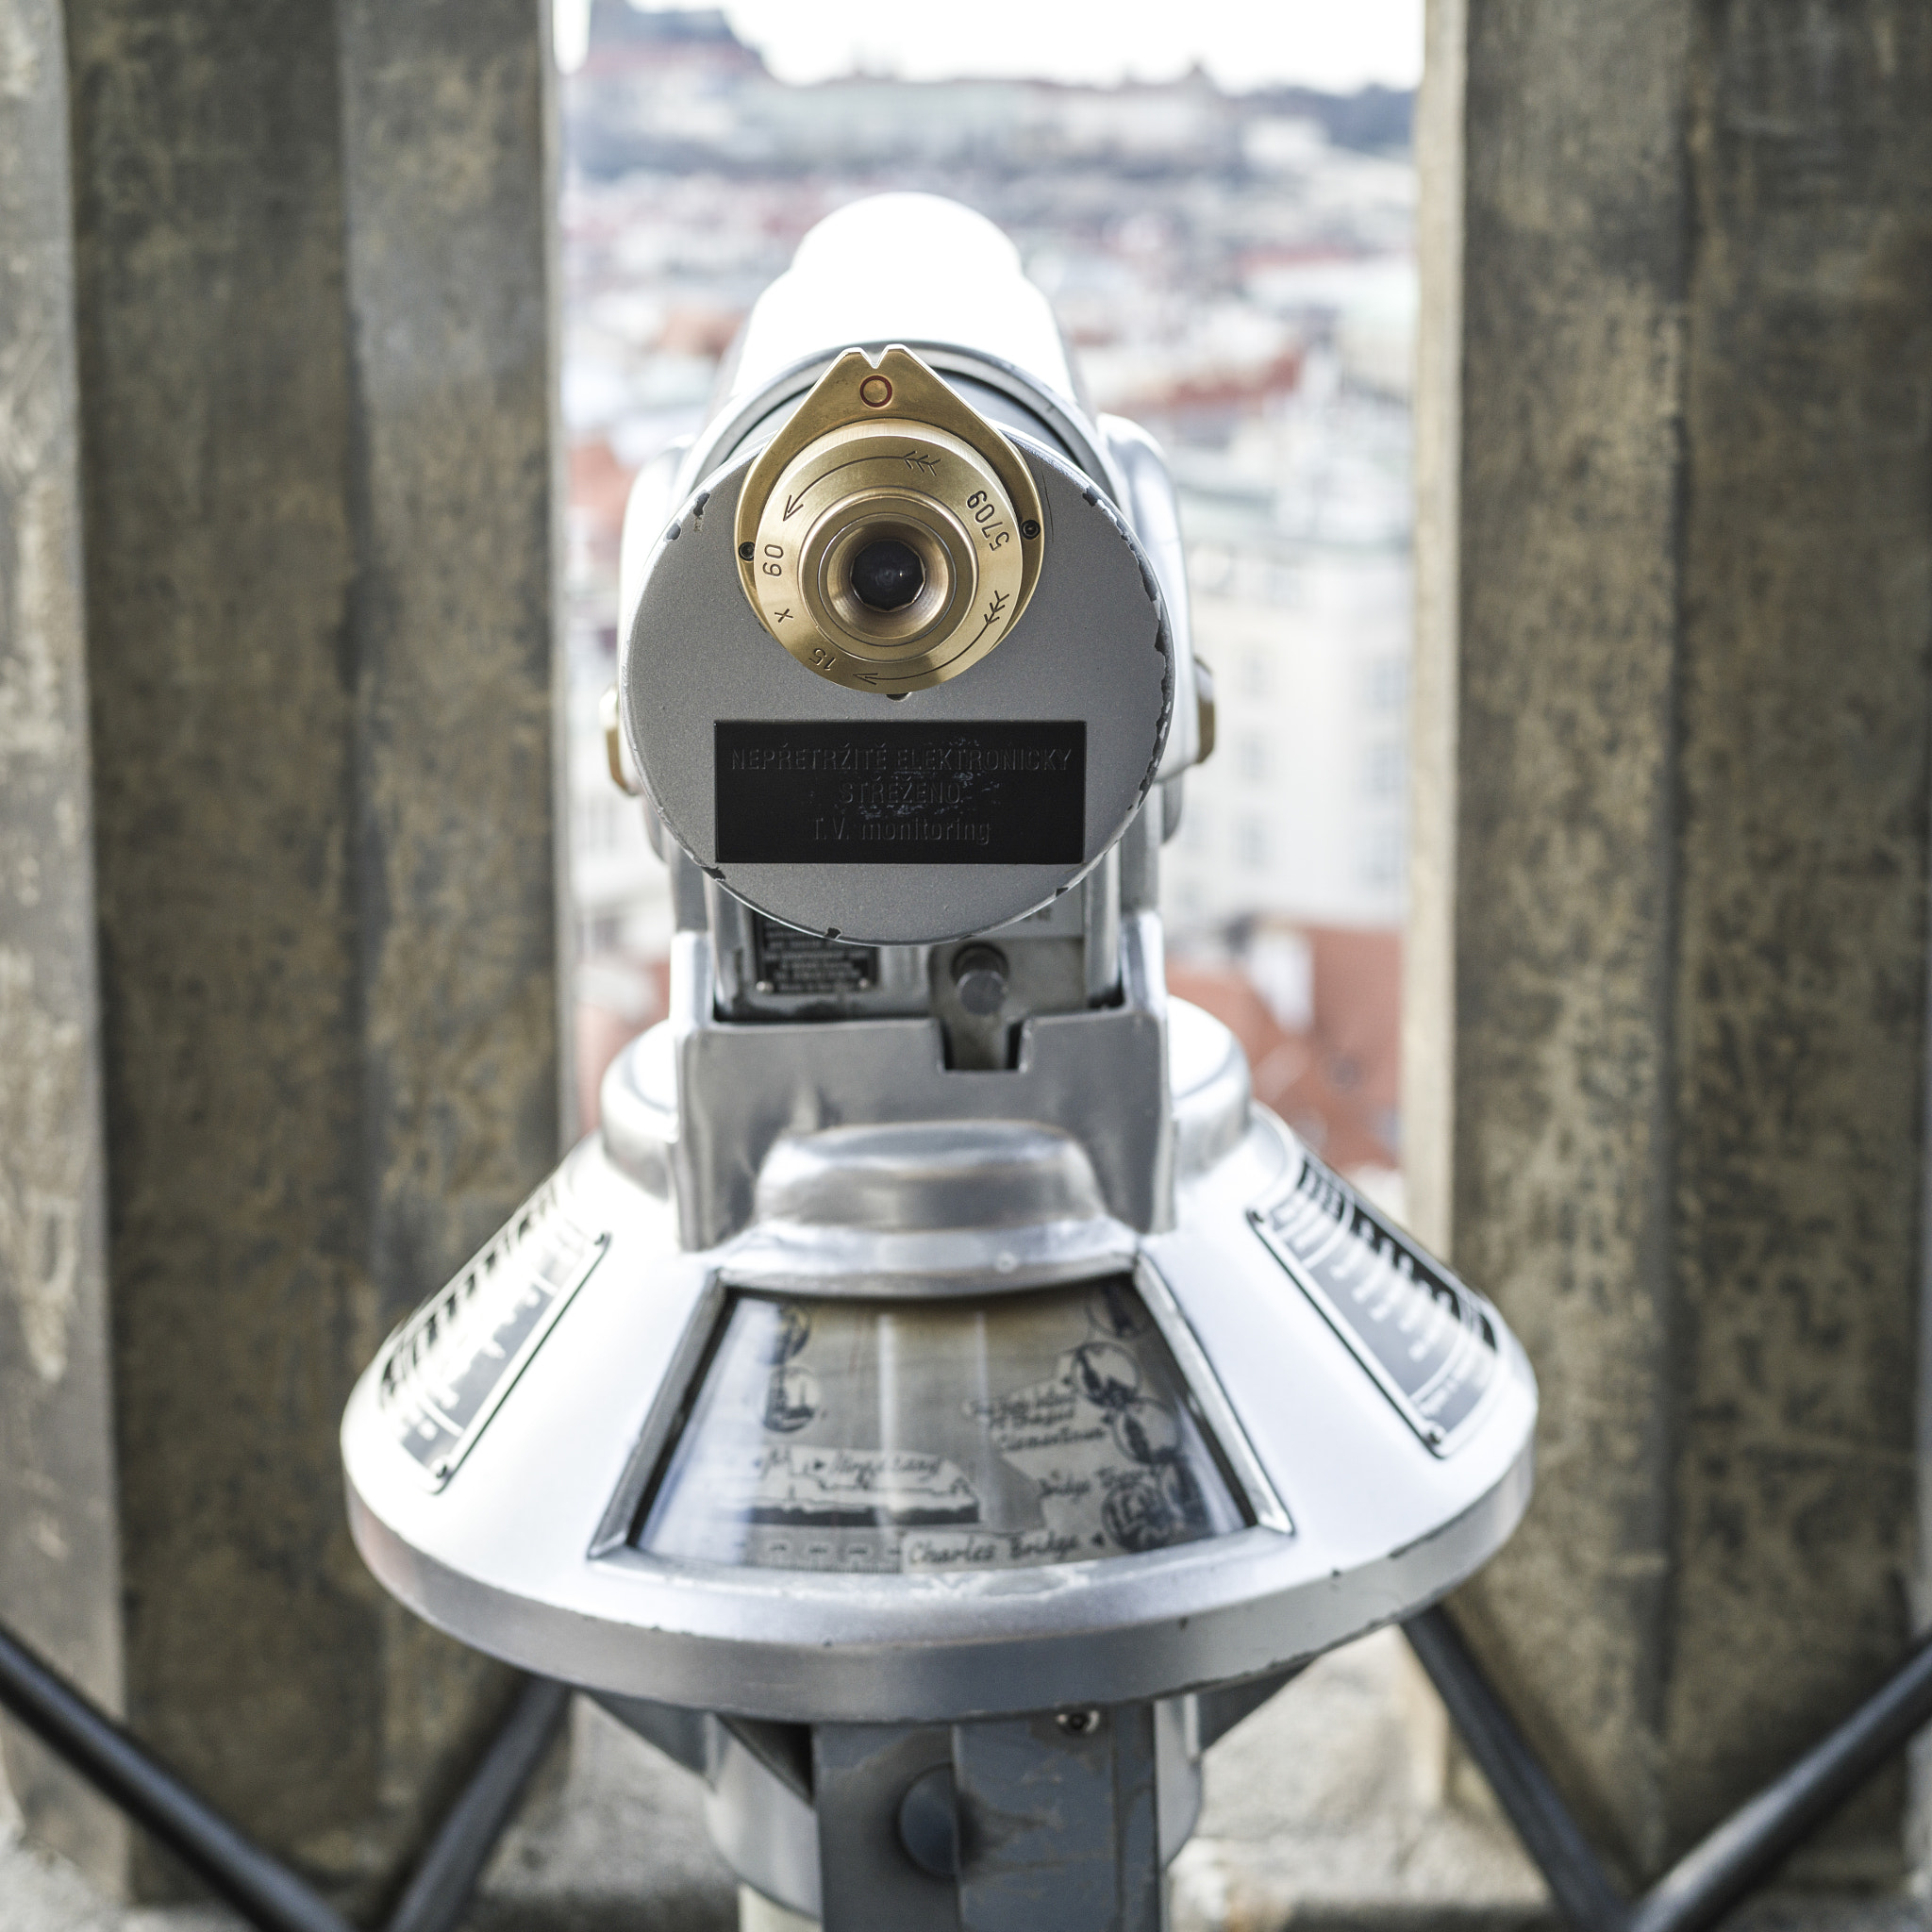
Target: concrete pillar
x: 304, y: 283
x: 59, y: 1546
x: 1671, y: 860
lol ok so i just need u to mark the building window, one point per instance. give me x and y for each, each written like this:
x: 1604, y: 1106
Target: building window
x: 1253, y: 758
x: 1382, y: 855
x: 603, y: 934
x: 1388, y: 684
x: 1251, y: 843
x: 1383, y: 769
x: 602, y: 824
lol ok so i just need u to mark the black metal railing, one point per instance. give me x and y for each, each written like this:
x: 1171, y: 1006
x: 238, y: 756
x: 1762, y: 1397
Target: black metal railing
x: 1711, y: 1877
x: 259, y: 1887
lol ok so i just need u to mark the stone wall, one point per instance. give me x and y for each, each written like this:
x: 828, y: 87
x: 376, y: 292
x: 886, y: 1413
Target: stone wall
x: 304, y: 490
x: 1672, y: 813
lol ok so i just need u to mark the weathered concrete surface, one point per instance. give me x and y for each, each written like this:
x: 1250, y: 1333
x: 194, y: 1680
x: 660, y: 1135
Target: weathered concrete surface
x: 447, y: 143
x: 310, y: 306
x: 1429, y: 944
x: 59, y: 1552
x: 1322, y: 1809
x: 1682, y: 1140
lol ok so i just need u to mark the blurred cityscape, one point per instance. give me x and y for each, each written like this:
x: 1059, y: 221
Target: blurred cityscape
x: 1236, y: 271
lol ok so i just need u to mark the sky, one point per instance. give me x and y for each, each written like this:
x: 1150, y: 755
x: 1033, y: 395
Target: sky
x: 1336, y: 45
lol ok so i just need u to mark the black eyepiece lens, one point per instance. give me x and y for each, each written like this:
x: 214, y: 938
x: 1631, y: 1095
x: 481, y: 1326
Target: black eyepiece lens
x: 887, y: 575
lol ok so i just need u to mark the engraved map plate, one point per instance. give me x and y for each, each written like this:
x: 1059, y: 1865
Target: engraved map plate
x: 454, y: 1360
x: 901, y: 795
x: 1428, y: 1340
x: 978, y: 1434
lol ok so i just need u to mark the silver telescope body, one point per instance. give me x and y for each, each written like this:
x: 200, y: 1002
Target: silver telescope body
x: 937, y: 1402
x: 904, y: 392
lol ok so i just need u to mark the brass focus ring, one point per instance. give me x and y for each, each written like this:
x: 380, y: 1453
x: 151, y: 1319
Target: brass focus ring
x: 910, y: 484
x: 948, y: 500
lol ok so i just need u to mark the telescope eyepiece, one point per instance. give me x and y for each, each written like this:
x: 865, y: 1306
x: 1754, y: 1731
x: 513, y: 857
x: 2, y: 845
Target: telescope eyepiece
x: 880, y: 533
x: 887, y: 575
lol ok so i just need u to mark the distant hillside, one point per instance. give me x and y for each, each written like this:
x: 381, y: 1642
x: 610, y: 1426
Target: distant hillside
x: 1374, y: 120
x: 676, y: 89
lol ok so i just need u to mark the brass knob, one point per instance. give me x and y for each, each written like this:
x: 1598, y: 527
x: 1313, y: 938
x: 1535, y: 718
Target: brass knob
x: 613, y: 744
x: 888, y: 537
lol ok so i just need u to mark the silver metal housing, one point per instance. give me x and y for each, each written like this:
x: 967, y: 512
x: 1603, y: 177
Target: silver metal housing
x: 1357, y: 1521
x: 827, y: 1122
x: 1095, y: 647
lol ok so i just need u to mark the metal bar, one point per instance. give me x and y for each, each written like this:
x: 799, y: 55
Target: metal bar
x: 1737, y: 1858
x: 265, y: 1892
x: 1221, y: 1709
x: 1582, y: 1888
x: 441, y: 1885
x: 1751, y: 1844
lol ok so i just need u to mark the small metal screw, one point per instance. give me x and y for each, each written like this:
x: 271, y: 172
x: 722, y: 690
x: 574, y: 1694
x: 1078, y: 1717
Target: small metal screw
x: 747, y: 551
x: 1079, y: 1724
x: 763, y: 986
x: 1029, y: 530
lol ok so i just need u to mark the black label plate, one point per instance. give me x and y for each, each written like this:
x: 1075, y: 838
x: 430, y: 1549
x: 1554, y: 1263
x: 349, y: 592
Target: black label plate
x: 802, y: 965
x: 1428, y: 1340
x: 901, y: 795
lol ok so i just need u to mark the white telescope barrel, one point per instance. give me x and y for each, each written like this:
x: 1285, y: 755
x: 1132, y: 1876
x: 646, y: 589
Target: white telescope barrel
x: 902, y: 268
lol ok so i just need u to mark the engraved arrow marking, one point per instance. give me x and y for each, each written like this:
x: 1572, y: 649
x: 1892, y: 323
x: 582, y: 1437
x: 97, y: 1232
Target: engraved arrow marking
x: 993, y: 612
x: 992, y: 616
x: 795, y: 504
x: 917, y: 459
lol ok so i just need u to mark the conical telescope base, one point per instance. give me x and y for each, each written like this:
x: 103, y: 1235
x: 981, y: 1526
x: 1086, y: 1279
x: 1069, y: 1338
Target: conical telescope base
x: 936, y: 1447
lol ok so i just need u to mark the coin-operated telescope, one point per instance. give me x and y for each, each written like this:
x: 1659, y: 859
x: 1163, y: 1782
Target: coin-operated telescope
x: 937, y: 1402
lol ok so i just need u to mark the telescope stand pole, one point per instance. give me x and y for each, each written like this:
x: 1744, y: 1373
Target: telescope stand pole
x: 756, y: 1913
x: 1012, y: 1825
